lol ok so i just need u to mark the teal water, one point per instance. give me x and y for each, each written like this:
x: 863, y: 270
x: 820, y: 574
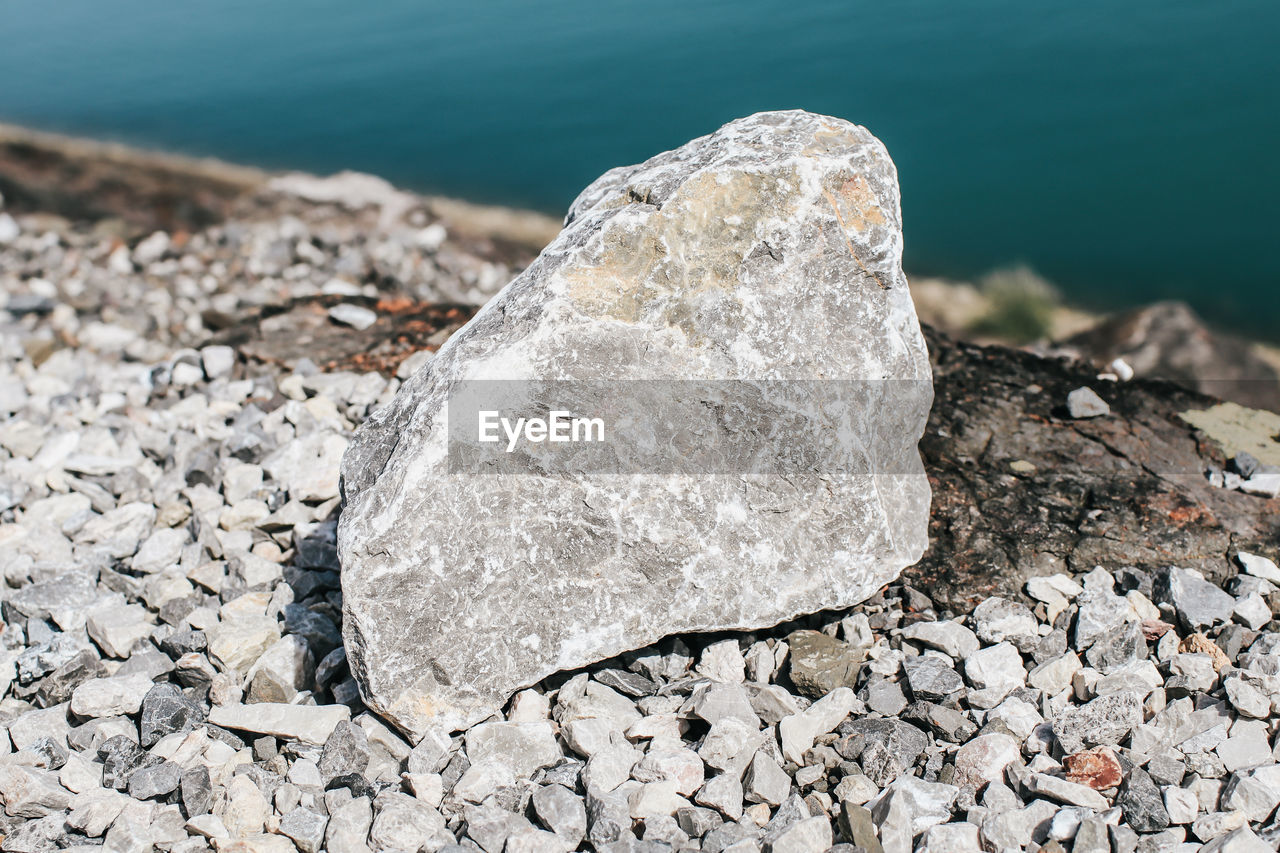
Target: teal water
x: 1124, y: 150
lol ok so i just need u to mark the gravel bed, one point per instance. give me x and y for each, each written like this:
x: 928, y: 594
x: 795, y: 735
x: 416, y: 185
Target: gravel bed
x: 172, y: 674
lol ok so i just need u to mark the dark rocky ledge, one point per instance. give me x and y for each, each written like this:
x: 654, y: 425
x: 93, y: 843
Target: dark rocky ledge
x: 1123, y: 490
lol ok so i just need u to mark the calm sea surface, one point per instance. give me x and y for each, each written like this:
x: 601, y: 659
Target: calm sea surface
x: 1127, y: 151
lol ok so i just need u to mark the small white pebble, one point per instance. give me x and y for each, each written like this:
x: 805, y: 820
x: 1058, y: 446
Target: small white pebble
x: 354, y: 316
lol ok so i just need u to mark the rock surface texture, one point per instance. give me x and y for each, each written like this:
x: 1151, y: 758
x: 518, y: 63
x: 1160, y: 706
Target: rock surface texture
x: 769, y: 250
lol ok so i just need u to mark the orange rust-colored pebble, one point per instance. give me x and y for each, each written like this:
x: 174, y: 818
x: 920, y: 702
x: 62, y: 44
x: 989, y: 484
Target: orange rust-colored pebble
x: 1200, y: 644
x: 1098, y: 768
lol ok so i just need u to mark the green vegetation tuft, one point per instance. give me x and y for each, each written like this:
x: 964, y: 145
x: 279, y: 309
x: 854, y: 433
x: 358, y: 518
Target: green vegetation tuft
x: 1022, y: 304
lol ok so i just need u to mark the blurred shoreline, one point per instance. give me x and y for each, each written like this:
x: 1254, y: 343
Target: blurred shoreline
x: 126, y: 193
x: 86, y: 180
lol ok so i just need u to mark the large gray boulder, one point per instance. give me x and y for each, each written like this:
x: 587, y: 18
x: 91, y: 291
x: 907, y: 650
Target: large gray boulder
x: 750, y: 277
